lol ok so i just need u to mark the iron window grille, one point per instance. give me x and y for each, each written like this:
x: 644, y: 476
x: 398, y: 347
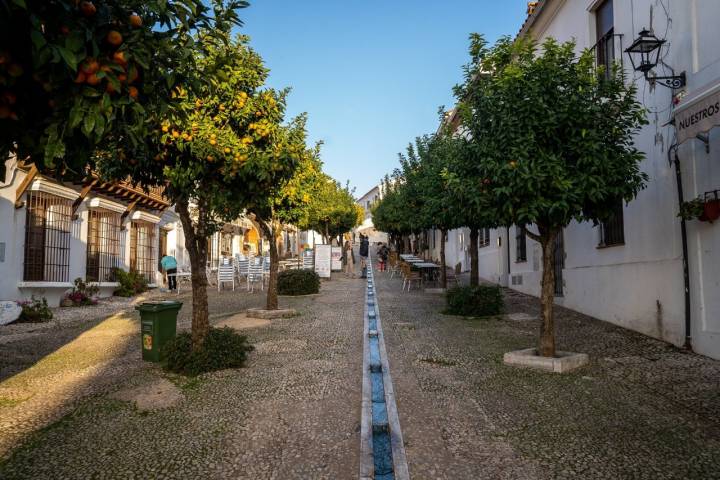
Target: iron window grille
x: 520, y: 244
x: 47, y: 238
x: 162, y: 247
x: 607, y: 40
x: 103, y: 245
x: 142, y: 249
x: 226, y: 244
x: 213, y: 250
x: 484, y: 237
x: 612, y: 231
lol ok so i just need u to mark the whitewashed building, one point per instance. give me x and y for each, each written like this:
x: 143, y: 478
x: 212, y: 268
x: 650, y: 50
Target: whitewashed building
x: 631, y: 272
x: 55, y: 232
x: 367, y: 227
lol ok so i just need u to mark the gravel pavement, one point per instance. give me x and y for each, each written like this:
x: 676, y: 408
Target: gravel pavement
x: 293, y: 412
x: 642, y: 409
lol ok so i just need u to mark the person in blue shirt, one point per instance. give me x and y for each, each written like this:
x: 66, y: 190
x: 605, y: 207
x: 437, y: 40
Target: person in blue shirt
x: 169, y: 264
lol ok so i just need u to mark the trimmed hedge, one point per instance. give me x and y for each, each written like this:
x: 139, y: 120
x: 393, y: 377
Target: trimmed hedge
x: 223, y: 348
x: 477, y: 301
x: 131, y: 283
x: 298, y: 282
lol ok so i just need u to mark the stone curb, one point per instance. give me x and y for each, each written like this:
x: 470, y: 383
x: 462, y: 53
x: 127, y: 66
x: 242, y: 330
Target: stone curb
x: 564, y: 361
x: 271, y: 314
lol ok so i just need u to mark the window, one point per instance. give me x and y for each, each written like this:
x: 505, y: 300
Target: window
x: 520, y: 244
x: 484, y: 237
x: 47, y: 238
x: 103, y: 245
x: 226, y: 244
x: 142, y: 249
x: 605, y: 36
x: 612, y: 231
x: 162, y: 247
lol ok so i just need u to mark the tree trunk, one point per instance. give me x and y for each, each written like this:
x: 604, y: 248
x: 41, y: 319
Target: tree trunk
x: 547, y: 327
x: 272, y: 295
x: 196, y: 244
x: 270, y: 233
x: 474, y: 265
x: 443, y: 265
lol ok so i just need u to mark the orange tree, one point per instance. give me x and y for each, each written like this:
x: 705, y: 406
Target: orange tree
x: 552, y: 141
x: 288, y: 202
x: 390, y: 214
x: 78, y: 74
x: 333, y: 211
x: 220, y: 150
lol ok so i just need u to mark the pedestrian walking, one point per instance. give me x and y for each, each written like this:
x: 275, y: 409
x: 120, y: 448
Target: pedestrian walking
x: 383, y: 256
x: 169, y: 265
x: 364, y: 252
x: 349, y: 259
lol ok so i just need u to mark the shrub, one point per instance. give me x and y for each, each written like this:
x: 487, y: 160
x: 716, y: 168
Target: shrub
x: 81, y: 294
x: 223, y: 348
x: 131, y: 283
x: 35, y: 310
x: 298, y: 282
x: 477, y: 301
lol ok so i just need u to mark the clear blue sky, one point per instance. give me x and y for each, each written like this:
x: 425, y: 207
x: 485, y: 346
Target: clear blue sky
x: 371, y: 74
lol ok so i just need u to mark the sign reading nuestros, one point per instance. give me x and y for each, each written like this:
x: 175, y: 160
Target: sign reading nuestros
x: 698, y: 115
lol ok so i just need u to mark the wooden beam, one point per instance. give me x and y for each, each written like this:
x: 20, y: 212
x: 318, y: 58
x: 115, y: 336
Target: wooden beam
x: 83, y: 193
x: 128, y: 211
x: 29, y: 177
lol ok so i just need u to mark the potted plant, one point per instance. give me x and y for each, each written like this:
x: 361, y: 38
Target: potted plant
x: 711, y: 207
x: 692, y: 209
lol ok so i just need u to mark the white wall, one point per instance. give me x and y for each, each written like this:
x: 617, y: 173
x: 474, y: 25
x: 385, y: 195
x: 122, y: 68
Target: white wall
x: 639, y: 285
x: 12, y: 235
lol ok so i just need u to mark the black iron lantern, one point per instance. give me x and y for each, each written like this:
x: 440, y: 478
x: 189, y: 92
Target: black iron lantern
x: 644, y: 55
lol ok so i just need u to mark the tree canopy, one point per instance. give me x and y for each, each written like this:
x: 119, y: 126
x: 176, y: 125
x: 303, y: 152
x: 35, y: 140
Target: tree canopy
x: 550, y: 138
x: 332, y: 210
x: 78, y: 75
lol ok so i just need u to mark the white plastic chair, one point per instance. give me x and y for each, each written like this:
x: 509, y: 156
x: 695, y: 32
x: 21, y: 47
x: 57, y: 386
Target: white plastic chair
x: 266, y: 268
x: 255, y: 275
x: 308, y: 260
x: 241, y: 268
x: 225, y: 273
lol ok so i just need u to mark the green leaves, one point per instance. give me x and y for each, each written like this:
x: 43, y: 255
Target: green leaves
x: 541, y: 134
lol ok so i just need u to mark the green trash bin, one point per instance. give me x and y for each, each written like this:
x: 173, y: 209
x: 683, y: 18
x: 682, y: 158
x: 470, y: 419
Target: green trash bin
x: 158, y: 322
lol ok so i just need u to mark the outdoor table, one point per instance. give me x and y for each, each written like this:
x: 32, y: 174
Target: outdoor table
x: 413, y: 261
x: 428, y: 268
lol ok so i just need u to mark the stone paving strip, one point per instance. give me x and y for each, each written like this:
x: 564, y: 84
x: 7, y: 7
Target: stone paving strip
x: 382, y: 448
x: 642, y: 409
x: 292, y: 413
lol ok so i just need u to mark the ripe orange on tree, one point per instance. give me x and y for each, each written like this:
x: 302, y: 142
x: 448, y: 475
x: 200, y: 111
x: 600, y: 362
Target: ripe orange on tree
x: 88, y: 8
x: 135, y: 20
x: 114, y: 38
x: 89, y: 66
x: 92, y: 79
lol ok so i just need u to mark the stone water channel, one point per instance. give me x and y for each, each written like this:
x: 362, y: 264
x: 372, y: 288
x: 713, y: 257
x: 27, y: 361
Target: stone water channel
x: 382, y: 448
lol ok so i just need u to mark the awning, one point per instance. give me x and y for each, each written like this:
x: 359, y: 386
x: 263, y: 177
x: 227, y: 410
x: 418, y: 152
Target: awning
x: 697, y: 113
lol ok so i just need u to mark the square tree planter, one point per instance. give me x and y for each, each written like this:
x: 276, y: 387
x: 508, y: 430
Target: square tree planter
x: 561, y: 363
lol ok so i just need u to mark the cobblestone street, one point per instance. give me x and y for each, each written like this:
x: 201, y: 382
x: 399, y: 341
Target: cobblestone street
x: 292, y: 413
x: 642, y: 409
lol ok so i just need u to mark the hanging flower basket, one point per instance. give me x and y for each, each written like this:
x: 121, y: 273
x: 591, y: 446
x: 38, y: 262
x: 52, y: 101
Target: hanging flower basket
x: 711, y: 208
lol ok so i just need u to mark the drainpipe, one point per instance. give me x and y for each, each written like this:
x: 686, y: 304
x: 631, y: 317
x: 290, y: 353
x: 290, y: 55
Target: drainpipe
x: 507, y: 242
x: 683, y: 234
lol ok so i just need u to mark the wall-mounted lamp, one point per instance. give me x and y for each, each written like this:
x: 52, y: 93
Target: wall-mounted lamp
x: 644, y: 55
